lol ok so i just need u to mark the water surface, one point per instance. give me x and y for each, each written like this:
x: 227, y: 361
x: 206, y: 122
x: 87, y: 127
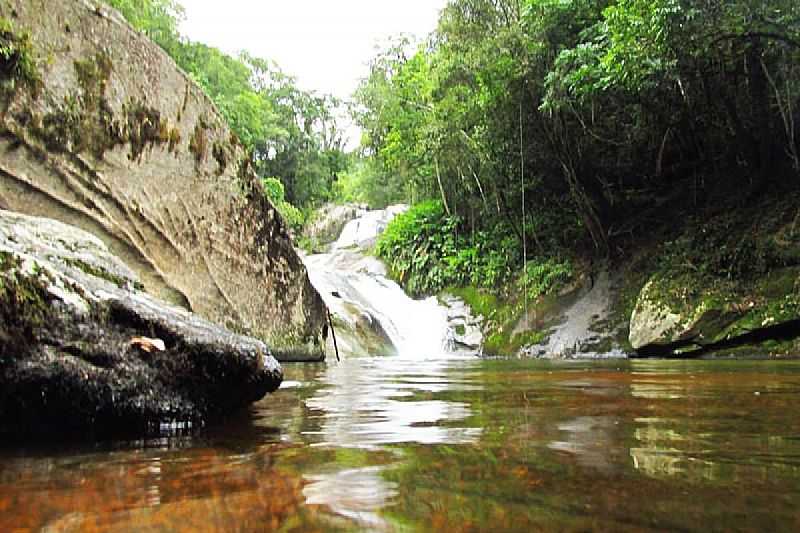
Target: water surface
x: 449, y: 444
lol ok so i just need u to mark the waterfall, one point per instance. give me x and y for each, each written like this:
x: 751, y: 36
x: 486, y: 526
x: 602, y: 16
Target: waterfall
x: 369, y: 308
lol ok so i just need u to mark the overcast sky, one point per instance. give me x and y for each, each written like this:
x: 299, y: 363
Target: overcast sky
x: 325, y: 44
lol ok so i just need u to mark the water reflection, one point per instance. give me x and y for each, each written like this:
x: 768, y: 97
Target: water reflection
x: 152, y: 490
x: 450, y: 444
x: 590, y: 439
x: 357, y: 494
x: 367, y: 402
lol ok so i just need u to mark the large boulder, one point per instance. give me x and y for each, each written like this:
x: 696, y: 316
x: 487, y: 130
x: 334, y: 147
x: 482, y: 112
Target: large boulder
x: 82, y: 349
x: 101, y: 130
x: 682, y: 313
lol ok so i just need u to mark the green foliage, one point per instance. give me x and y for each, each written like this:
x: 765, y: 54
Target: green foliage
x: 364, y: 182
x: 545, y: 276
x: 291, y: 133
x: 742, y: 244
x: 426, y: 252
x: 585, y: 111
x: 158, y: 19
x: 415, y: 243
x: 17, y: 61
x: 273, y: 190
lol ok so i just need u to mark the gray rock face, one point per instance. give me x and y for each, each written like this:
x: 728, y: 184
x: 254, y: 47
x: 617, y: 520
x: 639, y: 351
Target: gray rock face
x: 329, y: 223
x: 466, y: 332
x: 654, y: 324
x: 121, y: 143
x: 82, y: 349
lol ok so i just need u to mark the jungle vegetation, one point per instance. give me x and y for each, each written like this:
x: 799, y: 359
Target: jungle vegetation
x: 568, y: 130
x: 532, y: 136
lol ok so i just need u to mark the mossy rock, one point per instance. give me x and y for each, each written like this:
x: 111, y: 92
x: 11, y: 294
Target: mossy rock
x: 684, y: 313
x: 82, y: 351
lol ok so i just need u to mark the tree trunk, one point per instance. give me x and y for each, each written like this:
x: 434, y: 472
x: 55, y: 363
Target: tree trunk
x: 441, y: 188
x: 760, y: 110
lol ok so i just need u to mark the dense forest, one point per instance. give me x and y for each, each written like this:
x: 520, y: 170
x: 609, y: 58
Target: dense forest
x: 550, y: 128
x: 535, y: 137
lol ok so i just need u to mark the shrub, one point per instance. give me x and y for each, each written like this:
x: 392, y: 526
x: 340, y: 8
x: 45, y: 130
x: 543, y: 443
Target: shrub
x: 426, y: 252
x: 274, y: 191
x: 545, y: 276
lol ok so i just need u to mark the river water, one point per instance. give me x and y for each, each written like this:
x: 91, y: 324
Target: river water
x: 449, y: 443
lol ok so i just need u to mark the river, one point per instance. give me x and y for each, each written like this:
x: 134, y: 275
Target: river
x: 449, y: 443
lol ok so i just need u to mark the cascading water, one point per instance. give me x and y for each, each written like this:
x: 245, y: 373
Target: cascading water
x: 366, y: 303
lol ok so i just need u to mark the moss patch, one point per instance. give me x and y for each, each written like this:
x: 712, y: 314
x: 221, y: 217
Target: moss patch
x: 221, y: 157
x: 17, y: 62
x: 101, y: 273
x: 24, y: 306
x: 198, y: 143
x: 729, y: 278
x: 500, y: 319
x: 145, y: 128
x: 85, y: 120
x: 174, y: 140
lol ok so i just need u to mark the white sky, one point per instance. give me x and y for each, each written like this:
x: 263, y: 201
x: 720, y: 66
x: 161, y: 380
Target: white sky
x: 325, y: 44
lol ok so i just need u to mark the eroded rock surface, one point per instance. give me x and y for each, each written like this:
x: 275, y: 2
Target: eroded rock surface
x: 82, y: 349
x: 465, y: 328
x: 116, y: 140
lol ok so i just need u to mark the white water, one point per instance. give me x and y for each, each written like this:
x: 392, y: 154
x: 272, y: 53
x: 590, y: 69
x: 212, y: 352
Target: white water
x: 355, y: 288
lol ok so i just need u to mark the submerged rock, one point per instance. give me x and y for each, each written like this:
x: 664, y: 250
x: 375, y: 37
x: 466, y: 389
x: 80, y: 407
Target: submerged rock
x: 114, y: 138
x: 82, y: 349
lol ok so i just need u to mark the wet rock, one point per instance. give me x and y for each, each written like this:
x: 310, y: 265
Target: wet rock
x: 361, y: 233
x: 118, y: 141
x: 577, y: 323
x: 357, y: 321
x: 465, y: 328
x: 81, y: 349
x: 371, y: 314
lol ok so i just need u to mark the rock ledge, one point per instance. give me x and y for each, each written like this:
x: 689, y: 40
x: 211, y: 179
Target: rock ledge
x: 81, y: 348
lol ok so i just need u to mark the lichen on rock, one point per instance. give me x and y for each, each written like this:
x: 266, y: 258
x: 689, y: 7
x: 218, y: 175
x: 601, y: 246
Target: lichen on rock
x: 678, y: 313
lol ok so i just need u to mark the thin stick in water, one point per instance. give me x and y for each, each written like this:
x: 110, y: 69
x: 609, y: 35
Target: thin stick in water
x: 333, y: 333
